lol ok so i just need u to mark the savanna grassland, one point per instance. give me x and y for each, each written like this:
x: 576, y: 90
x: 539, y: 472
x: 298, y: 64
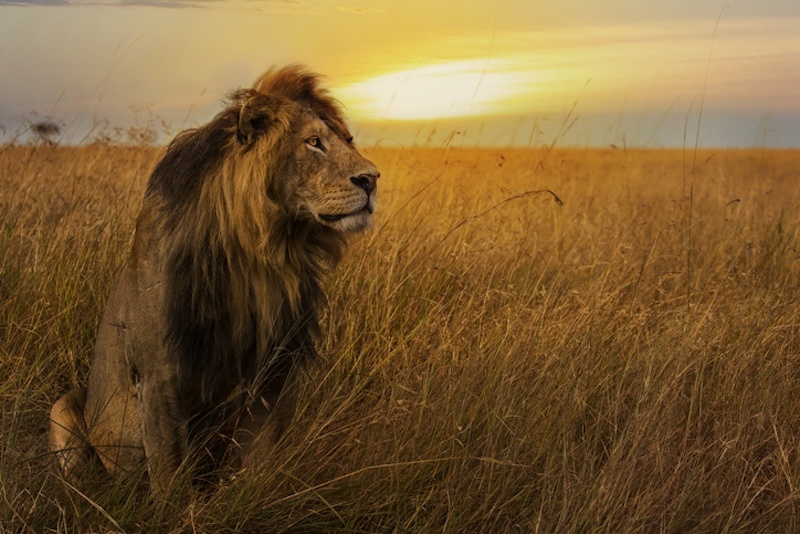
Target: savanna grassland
x: 495, y: 361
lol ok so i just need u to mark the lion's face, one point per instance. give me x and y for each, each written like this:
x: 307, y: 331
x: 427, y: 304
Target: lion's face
x: 320, y: 176
x: 327, y: 178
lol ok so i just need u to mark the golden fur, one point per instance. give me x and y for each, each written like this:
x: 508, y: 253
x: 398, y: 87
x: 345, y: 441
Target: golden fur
x: 217, y: 304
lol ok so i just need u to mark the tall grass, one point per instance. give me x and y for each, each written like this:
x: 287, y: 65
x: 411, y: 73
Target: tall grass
x: 495, y: 362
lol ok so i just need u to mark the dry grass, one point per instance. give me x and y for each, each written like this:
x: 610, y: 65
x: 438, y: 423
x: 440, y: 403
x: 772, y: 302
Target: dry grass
x: 626, y: 362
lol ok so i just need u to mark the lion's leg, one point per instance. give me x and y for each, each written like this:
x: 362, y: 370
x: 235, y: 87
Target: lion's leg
x: 164, y: 432
x: 264, y: 421
x: 68, y: 433
x: 114, y: 423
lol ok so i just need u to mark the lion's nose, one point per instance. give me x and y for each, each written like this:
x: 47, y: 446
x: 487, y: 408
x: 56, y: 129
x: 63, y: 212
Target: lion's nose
x: 365, y: 181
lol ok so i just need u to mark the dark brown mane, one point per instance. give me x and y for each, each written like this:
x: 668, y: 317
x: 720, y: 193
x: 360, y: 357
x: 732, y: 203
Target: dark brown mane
x: 191, y: 156
x: 239, y: 303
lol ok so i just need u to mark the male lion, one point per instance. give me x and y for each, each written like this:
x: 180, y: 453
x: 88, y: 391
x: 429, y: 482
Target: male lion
x: 217, y: 303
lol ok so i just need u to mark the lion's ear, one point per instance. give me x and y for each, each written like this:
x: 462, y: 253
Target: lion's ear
x: 258, y: 113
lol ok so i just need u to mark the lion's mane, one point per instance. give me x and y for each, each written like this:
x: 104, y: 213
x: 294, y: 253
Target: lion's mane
x: 243, y: 283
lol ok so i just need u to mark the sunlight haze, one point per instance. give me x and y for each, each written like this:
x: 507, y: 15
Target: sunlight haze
x: 457, y: 89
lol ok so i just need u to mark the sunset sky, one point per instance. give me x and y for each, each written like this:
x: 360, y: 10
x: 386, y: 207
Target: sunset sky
x: 628, y: 72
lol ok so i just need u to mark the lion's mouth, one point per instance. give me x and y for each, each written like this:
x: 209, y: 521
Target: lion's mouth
x: 338, y: 217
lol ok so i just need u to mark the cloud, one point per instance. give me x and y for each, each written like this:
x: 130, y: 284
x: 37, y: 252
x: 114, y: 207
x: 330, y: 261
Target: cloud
x: 360, y: 10
x: 34, y: 2
x: 162, y: 3
x: 271, y: 6
x: 122, y: 3
x: 289, y: 5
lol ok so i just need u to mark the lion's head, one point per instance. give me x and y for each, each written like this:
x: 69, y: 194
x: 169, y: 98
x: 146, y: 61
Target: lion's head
x: 325, y: 178
x: 283, y: 150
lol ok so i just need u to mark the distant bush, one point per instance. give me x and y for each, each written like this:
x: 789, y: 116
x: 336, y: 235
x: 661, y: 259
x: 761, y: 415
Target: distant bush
x: 46, y: 131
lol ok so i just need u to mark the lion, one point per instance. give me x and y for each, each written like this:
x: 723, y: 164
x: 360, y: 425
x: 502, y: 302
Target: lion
x: 217, y: 305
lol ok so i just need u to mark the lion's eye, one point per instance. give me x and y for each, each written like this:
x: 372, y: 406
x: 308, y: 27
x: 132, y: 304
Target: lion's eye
x: 315, y: 142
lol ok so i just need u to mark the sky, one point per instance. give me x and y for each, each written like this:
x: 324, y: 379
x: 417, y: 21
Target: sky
x: 414, y: 72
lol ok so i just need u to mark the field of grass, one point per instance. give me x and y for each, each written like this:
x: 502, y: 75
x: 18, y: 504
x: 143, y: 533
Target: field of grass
x: 628, y: 361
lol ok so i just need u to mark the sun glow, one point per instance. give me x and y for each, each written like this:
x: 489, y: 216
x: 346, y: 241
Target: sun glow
x: 463, y: 88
